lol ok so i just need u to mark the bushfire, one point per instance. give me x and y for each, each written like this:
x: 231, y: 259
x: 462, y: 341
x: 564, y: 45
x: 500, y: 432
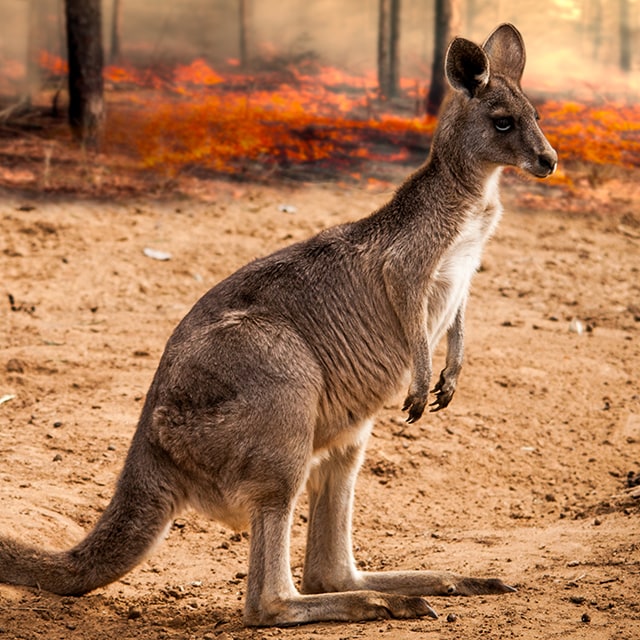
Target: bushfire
x: 192, y: 117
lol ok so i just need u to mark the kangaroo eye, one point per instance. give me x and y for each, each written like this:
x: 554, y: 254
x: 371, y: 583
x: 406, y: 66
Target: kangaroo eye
x: 503, y: 124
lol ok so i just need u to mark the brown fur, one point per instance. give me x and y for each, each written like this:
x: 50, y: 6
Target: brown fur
x: 271, y: 380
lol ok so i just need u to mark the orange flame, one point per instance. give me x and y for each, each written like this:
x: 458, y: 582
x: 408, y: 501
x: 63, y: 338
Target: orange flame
x: 52, y: 63
x: 197, y: 116
x: 228, y: 123
x: 601, y: 134
x: 197, y: 73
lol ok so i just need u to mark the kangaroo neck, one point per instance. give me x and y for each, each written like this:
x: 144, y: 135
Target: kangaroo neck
x: 450, y: 187
x: 458, y: 173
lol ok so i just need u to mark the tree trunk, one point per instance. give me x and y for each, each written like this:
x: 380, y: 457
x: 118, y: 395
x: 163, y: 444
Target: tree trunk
x: 446, y: 24
x: 625, y: 36
x: 592, y: 12
x: 84, y: 45
x: 388, y: 40
x: 116, y: 29
x: 36, y: 35
x: 243, y: 23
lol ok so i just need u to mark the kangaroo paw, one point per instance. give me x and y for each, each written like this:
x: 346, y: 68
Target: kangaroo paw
x: 415, y: 405
x: 444, y: 390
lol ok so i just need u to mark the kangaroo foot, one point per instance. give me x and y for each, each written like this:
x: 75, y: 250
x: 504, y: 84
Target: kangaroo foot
x: 429, y: 583
x: 351, y: 606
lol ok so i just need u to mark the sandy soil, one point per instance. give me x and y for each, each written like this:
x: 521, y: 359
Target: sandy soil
x: 524, y: 476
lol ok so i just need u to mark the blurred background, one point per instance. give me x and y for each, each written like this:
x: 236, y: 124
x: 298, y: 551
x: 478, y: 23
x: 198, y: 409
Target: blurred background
x: 567, y: 40
x: 244, y: 86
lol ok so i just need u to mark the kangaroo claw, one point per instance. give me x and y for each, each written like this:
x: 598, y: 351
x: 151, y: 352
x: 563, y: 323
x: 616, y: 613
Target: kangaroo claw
x: 479, y: 586
x: 415, y: 407
x: 443, y: 391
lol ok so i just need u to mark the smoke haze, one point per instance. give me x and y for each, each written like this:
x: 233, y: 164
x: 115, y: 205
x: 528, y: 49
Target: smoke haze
x: 573, y: 46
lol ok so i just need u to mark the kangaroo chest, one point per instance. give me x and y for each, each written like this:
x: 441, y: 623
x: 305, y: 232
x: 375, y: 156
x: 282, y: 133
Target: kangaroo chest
x: 451, y: 279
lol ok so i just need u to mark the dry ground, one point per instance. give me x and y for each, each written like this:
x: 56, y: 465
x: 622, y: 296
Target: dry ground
x: 522, y: 477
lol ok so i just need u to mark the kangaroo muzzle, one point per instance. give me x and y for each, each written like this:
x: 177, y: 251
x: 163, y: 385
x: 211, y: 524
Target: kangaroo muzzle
x: 546, y: 163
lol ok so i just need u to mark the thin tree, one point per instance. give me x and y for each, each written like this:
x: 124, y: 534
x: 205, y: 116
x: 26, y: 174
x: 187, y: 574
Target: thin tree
x: 447, y: 17
x: 85, y: 55
x: 592, y: 27
x: 37, y: 15
x: 33, y: 46
x: 625, y: 36
x: 116, y: 29
x: 388, y: 41
x: 243, y: 33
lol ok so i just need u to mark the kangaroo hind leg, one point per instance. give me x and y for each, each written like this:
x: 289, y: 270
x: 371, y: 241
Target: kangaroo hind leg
x: 273, y: 600
x: 329, y: 563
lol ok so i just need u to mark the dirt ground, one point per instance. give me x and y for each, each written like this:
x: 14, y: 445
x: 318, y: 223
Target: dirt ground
x: 523, y: 477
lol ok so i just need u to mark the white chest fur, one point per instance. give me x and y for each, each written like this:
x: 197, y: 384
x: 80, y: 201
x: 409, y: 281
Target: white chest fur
x: 452, y: 278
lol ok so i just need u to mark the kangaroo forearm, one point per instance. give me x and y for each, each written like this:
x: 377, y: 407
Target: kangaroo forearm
x: 455, y: 341
x: 446, y: 385
x: 417, y: 398
x: 409, y: 306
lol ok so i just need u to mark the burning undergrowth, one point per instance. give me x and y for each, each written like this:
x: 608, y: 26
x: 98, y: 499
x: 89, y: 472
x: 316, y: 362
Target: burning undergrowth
x: 237, y: 125
x: 193, y: 121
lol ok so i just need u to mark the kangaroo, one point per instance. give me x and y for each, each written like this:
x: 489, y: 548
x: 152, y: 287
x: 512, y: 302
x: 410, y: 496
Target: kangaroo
x: 269, y: 384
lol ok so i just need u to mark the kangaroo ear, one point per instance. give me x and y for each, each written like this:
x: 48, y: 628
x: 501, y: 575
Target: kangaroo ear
x: 466, y: 66
x: 505, y: 48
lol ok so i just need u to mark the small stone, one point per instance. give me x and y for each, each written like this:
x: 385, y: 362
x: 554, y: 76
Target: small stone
x: 452, y: 617
x: 576, y: 326
x: 586, y: 618
x: 15, y: 366
x: 57, y: 458
x: 134, y: 613
x: 57, y: 424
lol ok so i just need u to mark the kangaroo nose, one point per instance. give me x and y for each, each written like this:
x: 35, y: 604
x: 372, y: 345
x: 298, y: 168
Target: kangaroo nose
x: 548, y: 162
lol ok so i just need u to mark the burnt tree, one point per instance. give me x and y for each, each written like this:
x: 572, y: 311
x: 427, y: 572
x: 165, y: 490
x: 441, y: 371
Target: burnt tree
x: 243, y: 31
x: 388, y: 39
x: 85, y: 55
x: 35, y: 29
x: 592, y: 27
x: 447, y: 14
x: 116, y: 29
x: 42, y: 32
x: 625, y: 36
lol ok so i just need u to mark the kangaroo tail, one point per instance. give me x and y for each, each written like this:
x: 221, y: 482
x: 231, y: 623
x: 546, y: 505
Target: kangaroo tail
x: 144, y: 503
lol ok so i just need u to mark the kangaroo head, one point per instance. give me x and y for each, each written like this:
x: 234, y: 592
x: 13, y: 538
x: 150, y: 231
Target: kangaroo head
x: 490, y: 113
